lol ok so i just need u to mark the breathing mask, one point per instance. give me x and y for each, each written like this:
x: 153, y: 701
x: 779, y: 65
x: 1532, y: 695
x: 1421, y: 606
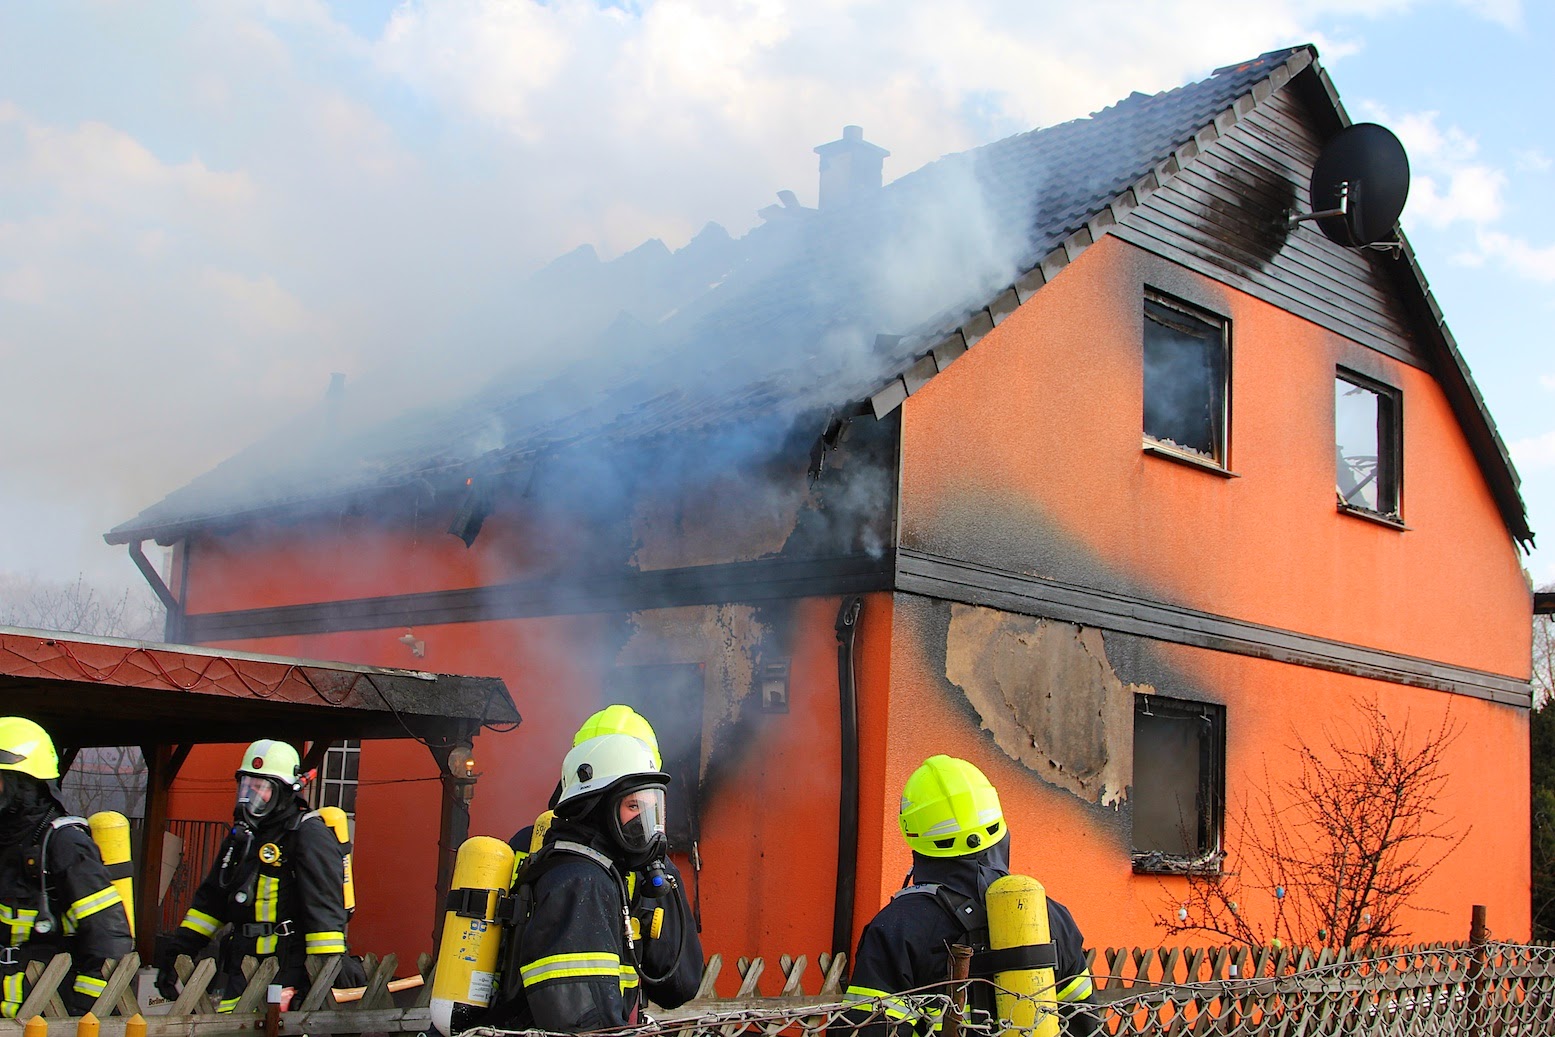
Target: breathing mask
x: 637, y: 825
x: 258, y: 798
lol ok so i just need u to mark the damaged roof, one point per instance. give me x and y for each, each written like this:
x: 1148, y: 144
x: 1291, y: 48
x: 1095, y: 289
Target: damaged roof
x: 810, y: 314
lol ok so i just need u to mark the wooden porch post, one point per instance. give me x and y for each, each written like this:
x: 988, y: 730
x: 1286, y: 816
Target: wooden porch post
x: 453, y: 822
x: 162, y: 764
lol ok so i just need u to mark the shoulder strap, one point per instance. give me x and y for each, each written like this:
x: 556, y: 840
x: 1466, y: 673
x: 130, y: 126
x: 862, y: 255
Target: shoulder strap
x: 970, y: 914
x: 68, y: 819
x: 568, y: 846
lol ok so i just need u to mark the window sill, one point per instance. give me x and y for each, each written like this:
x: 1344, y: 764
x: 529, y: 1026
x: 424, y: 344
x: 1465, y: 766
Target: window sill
x: 1391, y: 521
x: 1210, y: 866
x: 1184, y: 457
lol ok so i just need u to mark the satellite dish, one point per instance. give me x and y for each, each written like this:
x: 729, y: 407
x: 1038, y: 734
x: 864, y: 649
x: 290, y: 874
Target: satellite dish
x: 1359, y: 184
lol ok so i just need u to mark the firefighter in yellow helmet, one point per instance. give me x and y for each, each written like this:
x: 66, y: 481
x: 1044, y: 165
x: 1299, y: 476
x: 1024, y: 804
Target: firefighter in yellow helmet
x: 669, y: 949
x: 952, y: 821
x: 572, y: 962
x: 278, y: 879
x: 55, y: 893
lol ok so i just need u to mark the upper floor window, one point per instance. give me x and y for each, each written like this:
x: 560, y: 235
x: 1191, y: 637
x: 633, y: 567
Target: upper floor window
x: 1187, y: 379
x: 1178, y: 792
x: 1368, y: 445
x: 337, y: 785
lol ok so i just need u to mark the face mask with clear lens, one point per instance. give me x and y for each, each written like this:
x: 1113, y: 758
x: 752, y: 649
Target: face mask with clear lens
x: 641, y: 816
x: 257, y: 796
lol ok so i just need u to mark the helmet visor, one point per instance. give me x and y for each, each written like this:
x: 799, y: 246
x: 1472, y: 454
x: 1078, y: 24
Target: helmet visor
x: 640, y: 814
x: 257, y: 795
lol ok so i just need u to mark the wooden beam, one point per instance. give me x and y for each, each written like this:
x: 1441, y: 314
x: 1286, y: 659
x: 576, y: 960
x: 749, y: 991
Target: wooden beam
x: 453, y: 821
x: 162, y: 764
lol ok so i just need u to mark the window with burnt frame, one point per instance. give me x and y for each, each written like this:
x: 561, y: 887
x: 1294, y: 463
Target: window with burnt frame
x: 1368, y: 445
x: 1178, y: 792
x: 1187, y: 366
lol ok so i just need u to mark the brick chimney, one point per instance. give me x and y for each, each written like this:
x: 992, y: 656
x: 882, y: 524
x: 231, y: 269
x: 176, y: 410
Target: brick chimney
x: 850, y: 168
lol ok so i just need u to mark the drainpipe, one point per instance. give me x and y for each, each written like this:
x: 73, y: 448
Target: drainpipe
x: 847, y: 806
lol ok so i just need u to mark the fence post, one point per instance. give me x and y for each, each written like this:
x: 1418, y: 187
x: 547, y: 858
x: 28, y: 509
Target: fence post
x: 960, y: 968
x: 1475, y: 998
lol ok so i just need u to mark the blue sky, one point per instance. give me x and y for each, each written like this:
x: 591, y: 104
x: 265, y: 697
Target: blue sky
x: 208, y: 207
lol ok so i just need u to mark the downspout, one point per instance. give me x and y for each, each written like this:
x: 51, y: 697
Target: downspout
x: 847, y: 806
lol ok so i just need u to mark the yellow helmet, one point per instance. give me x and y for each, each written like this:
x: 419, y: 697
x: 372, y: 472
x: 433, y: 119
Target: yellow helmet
x: 271, y: 758
x: 620, y: 720
x: 949, y: 809
x: 26, y: 747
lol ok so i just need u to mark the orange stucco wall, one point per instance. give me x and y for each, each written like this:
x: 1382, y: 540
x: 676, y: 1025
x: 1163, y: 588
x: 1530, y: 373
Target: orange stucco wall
x: 769, y: 810
x: 1081, y: 849
x: 1026, y: 455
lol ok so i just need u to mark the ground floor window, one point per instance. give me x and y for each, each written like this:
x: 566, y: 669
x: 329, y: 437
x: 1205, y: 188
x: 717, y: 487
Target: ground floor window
x: 1178, y: 792
x: 337, y: 782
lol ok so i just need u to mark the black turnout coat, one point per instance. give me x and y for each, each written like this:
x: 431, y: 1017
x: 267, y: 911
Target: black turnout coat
x: 670, y: 961
x: 283, y: 892
x: 89, y: 921
x: 907, y: 944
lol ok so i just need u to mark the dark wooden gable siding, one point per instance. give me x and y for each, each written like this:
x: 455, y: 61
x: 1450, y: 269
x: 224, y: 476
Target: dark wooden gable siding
x: 1224, y: 216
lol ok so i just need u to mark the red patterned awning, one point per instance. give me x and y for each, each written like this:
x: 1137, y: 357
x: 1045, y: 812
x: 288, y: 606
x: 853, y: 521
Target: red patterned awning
x: 103, y: 691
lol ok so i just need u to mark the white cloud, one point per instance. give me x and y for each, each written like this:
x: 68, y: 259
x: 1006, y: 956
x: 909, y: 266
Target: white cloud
x: 1534, y: 453
x: 1532, y: 160
x: 1548, y: 381
x: 1534, y: 262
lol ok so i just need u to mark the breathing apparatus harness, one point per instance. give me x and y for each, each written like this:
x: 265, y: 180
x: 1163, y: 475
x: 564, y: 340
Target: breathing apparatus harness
x: 514, y: 910
x: 971, y: 914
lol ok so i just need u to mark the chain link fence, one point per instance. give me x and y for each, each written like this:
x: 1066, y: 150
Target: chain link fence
x: 1466, y: 990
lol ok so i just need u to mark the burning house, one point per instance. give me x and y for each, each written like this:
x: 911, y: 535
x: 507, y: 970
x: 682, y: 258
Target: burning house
x: 1071, y: 455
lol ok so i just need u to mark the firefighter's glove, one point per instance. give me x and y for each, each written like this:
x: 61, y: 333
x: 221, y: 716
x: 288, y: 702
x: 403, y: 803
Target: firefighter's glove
x: 167, y: 982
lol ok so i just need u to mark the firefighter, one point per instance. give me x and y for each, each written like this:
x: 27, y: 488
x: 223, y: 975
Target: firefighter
x: 55, y: 892
x: 572, y: 961
x: 952, y: 821
x: 278, y: 879
x: 668, y: 945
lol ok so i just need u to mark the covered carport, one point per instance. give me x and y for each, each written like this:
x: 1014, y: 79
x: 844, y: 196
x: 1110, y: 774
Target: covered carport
x: 166, y: 699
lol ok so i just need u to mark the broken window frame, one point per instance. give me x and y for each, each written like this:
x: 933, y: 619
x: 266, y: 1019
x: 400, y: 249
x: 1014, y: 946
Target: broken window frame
x: 1207, y: 856
x: 1163, y: 310
x: 1388, y: 466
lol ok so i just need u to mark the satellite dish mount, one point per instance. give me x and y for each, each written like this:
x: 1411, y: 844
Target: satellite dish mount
x: 1359, y: 184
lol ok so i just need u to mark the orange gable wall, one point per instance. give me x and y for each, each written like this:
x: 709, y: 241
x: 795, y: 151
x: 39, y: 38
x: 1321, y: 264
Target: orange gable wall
x: 1035, y: 434
x: 1026, y: 455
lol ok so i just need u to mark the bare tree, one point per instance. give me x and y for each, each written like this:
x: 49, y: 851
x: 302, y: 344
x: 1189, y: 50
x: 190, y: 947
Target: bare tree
x: 101, y: 777
x: 1543, y: 658
x: 75, y: 606
x: 1340, y: 848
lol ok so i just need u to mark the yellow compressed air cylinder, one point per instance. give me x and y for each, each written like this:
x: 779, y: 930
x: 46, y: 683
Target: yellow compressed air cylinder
x: 111, y: 833
x: 1017, y: 917
x: 536, y: 840
x: 466, y: 976
x: 338, y: 823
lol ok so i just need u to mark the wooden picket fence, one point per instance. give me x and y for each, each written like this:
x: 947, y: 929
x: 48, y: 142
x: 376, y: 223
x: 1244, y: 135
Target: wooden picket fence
x: 366, y: 1010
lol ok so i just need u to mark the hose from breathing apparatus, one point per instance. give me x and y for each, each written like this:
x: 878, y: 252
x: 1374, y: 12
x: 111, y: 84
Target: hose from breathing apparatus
x: 659, y: 883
